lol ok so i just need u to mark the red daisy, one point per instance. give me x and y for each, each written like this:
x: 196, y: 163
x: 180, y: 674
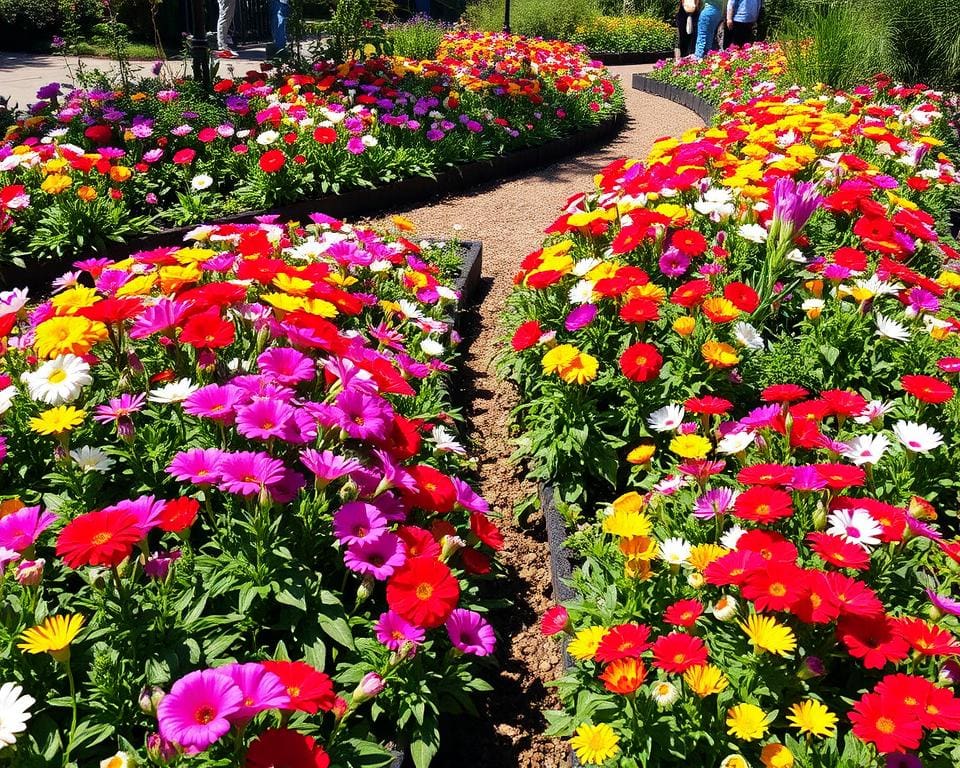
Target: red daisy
x: 810, y: 410
x: 766, y: 474
x: 208, y: 330
x: 310, y: 690
x: 526, y: 335
x: 927, y: 639
x: 763, y: 504
x: 554, y: 621
x: 839, y: 552
x: 689, y: 242
x: 783, y: 393
x: 641, y: 362
x: 816, y: 606
x: 853, y: 597
x: 435, y: 490
x: 624, y: 641
x: 678, y: 651
x: 872, y: 640
x: 885, y: 723
x: 272, y: 160
x: 911, y: 691
x: 691, y: 293
x: 775, y: 589
x: 742, y: 296
x: 841, y: 476
x: 927, y: 388
x: 683, y: 613
x: 843, y: 402
x: 424, y: 591
x: 640, y: 310
x: 770, y: 545
x: 733, y: 568
x: 941, y: 710
x: 418, y: 542
x: 178, y: 515
x: 104, y: 537
x: 708, y: 404
x: 283, y: 748
x: 486, y: 531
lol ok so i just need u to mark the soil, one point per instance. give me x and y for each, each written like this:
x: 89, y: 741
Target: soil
x: 509, y: 217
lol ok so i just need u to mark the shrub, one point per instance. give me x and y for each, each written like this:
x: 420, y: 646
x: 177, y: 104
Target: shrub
x: 537, y: 18
x: 29, y: 24
x: 625, y: 34
x: 416, y: 38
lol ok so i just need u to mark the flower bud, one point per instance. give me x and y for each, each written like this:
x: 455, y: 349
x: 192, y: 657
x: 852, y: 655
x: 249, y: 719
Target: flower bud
x: 160, y: 751
x: 340, y: 707
x: 365, y: 589
x: 696, y: 580
x: 150, y: 698
x: 449, y: 546
x: 812, y: 667
x: 950, y: 672
x: 371, y: 685
x: 30, y: 572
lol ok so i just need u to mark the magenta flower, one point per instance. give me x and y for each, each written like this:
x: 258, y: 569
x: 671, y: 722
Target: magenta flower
x: 197, y: 465
x: 327, y: 465
x: 394, y: 476
x: 713, y: 503
x: 215, y: 402
x: 378, y: 557
x: 261, y: 689
x: 580, y: 317
x: 146, y: 509
x: 470, y: 632
x: 159, y: 317
x: 195, y: 713
x: 355, y: 146
x: 364, y: 416
x: 673, y: 263
x: 286, y: 365
x: 158, y: 564
x: 19, y: 530
x: 468, y: 498
x: 944, y: 603
x: 394, y: 631
x: 921, y: 300
x: 806, y: 478
x: 264, y: 419
x: 119, y: 408
x: 358, y: 521
x: 248, y: 472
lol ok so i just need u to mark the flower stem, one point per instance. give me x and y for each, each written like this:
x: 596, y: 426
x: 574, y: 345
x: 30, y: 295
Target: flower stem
x: 73, y: 714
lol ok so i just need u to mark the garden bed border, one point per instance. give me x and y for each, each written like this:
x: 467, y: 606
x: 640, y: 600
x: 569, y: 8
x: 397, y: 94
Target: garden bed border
x: 703, y: 108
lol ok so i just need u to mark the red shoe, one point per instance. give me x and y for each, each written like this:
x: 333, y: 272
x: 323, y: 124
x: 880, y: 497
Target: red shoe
x: 226, y: 53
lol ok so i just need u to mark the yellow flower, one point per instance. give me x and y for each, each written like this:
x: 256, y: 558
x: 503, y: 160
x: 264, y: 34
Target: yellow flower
x: 56, y: 183
x: 53, y: 636
x: 627, y: 523
x: 120, y: 173
x: 767, y: 635
x: 639, y: 547
x: 641, y: 454
x: 76, y: 298
x: 87, y: 193
x: 403, y: 223
x: 595, y: 744
x: 813, y: 717
x: 949, y: 280
x: 54, y: 421
x: 734, y: 761
x: 776, y: 755
x: 705, y: 679
x: 570, y: 364
x: 558, y: 357
x: 747, y: 722
x: 194, y: 255
x: 719, y: 355
x: 720, y: 309
x: 295, y: 286
x: 684, y: 325
x: 60, y: 335
x: 635, y: 568
x: 701, y: 555
x: 691, y: 446
x: 586, y: 642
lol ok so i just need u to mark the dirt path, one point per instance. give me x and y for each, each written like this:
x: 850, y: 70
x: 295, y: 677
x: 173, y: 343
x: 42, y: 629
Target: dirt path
x: 509, y: 218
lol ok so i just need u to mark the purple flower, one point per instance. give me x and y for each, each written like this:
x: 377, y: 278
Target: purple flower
x: 326, y: 465
x: 158, y: 564
x: 200, y: 466
x: 355, y: 146
x: 921, y: 300
x: 119, y: 407
x: 944, y: 603
x: 50, y: 90
x: 358, y: 521
x: 265, y: 419
x: 793, y: 203
x: 435, y: 135
x: 394, y: 631
x: 896, y: 760
x: 673, y: 263
x: 714, y: 503
x: 761, y: 417
x: 378, y: 557
x: 580, y: 317
x: 261, y: 689
x: 470, y: 632
x: 364, y: 416
x: 468, y: 498
x: 806, y: 478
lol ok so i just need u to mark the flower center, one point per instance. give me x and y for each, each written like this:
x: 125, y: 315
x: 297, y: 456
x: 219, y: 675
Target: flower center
x: 57, y: 376
x: 204, y: 714
x: 424, y: 591
x: 678, y: 658
x: 853, y: 532
x: 778, y: 590
x: 101, y: 538
x: 885, y: 725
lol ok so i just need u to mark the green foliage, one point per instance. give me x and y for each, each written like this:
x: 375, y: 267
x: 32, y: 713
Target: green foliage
x: 354, y: 32
x: 924, y: 41
x: 417, y: 38
x: 625, y: 34
x: 534, y: 18
x: 29, y: 24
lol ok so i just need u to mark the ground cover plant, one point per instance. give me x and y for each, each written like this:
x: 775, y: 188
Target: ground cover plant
x: 93, y: 166
x: 234, y: 521
x: 625, y: 34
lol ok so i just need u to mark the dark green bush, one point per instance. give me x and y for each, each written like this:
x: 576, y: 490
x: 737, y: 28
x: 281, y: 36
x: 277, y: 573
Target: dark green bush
x: 30, y: 24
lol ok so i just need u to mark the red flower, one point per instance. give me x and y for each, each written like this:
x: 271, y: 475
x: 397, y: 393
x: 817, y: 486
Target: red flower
x: 640, y: 310
x: 272, y: 160
x: 885, y: 723
x: 678, y: 651
x: 872, y: 640
x: 486, y: 531
x: 852, y: 597
x: 641, y: 362
x: 839, y: 552
x: 624, y: 641
x: 526, y: 335
x: 783, y: 393
x: 208, y: 330
x: 762, y: 504
x: 840, y: 476
x: 850, y: 258
x: 103, y: 537
x: 310, y: 690
x: 766, y: 474
x: 475, y: 562
x: 283, y: 748
x: 816, y: 606
x: 770, y: 545
x: 112, y: 311
x: 624, y: 676
x: 708, y: 404
x: 733, y: 568
x: 99, y: 134
x: 178, y: 515
x: 843, y: 402
x: 424, y: 591
x: 927, y: 388
x: 742, y: 296
x: 554, y: 621
x: 925, y: 638
x: 691, y: 293
x: 418, y: 542
x: 683, y: 613
x: 775, y: 589
x: 911, y: 691
x: 325, y: 135
x: 689, y: 242
x: 436, y: 492
x: 184, y: 156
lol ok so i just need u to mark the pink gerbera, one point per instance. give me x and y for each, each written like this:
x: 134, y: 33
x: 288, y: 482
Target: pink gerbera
x: 261, y: 689
x: 286, y: 365
x: 197, y: 465
x: 19, y: 530
x: 394, y: 631
x: 248, y: 472
x: 196, y: 712
x: 470, y: 632
x: 162, y: 316
x: 264, y: 419
x: 146, y: 509
x: 326, y: 465
x: 358, y: 521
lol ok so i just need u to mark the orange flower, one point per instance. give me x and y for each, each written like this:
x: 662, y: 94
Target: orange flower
x: 720, y: 310
x: 87, y: 193
x: 120, y: 173
x: 624, y: 676
x: 719, y: 355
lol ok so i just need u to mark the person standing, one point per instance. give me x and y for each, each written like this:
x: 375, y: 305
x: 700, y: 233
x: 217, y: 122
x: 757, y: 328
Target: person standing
x: 710, y: 17
x: 279, y: 13
x: 687, y: 16
x: 742, y: 18
x: 226, y: 10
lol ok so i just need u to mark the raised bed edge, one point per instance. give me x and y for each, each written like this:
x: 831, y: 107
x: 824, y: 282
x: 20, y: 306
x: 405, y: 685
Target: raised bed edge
x: 703, y: 108
x: 630, y: 58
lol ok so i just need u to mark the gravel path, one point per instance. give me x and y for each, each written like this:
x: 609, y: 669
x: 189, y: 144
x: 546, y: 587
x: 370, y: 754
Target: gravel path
x: 509, y: 218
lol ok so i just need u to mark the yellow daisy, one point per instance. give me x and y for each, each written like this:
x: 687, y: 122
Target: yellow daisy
x: 747, y: 722
x: 55, y: 421
x: 585, y: 643
x: 767, y: 635
x: 595, y: 744
x: 705, y: 679
x: 53, y: 636
x: 813, y: 717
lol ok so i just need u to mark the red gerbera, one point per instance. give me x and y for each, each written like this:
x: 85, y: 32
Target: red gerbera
x: 765, y: 474
x: 691, y: 293
x: 733, y: 568
x: 885, y: 723
x: 775, y: 589
x: 486, y: 531
x: 683, y: 613
x: 526, y: 335
x: 708, y: 404
x: 624, y: 641
x: 843, y: 402
x: 641, y: 362
x: 941, y: 710
x: 925, y: 638
x: 678, y: 651
x: 689, y: 242
x: 178, y: 515
x: 184, y: 156
x: 893, y: 519
x: 872, y: 640
x: 324, y: 135
x: 283, y: 748
x: 272, y: 160
x: 852, y: 597
x: 554, y: 621
x: 104, y: 537
x: 424, y: 591
x: 310, y: 690
x: 435, y: 490
x: 839, y: 552
x: 208, y: 330
x: 909, y: 690
x: 929, y: 389
x: 742, y: 296
x: 770, y: 545
x: 816, y: 606
x: 783, y: 393
x: 112, y: 311
x: 840, y: 476
x: 763, y: 504
x: 640, y: 310
x: 418, y: 542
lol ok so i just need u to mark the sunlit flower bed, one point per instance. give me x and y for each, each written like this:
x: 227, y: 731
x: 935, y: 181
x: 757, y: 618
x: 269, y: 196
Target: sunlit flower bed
x: 91, y: 166
x: 749, y: 340
x: 626, y: 34
x: 234, y: 524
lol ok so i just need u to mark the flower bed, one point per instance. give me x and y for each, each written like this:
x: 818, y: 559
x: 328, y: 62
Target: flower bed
x: 630, y: 35
x: 749, y: 340
x: 234, y: 522
x: 90, y: 167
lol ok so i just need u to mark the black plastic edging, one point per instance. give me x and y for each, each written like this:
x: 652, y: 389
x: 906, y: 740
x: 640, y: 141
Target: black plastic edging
x: 561, y: 566
x: 703, y: 108
x: 630, y: 58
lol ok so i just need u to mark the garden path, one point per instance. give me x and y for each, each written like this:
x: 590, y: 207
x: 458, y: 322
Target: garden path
x: 509, y: 217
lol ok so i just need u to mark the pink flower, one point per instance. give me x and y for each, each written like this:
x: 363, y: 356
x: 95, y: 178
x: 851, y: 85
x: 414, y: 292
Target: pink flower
x: 197, y: 465
x: 261, y: 689
x: 264, y: 419
x: 146, y: 509
x: 358, y: 521
x: 470, y: 632
x: 364, y: 416
x: 159, y: 317
x: 19, y: 530
x: 378, y: 557
x: 119, y: 408
x: 326, y: 465
x: 286, y: 365
x: 394, y: 631
x: 195, y: 713
x: 248, y: 472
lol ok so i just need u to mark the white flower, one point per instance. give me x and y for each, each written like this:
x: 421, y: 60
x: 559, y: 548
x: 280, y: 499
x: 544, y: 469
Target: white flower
x: 13, y: 712
x: 735, y: 442
x: 873, y: 410
x: 12, y: 301
x: 891, y: 329
x: 666, y: 419
x: 866, y: 449
x: 445, y: 441
x: 717, y: 203
x: 584, y: 265
x: 747, y: 336
x: 731, y: 538
x: 381, y: 265
x: 581, y: 293
x: 445, y: 293
x: 200, y: 233
x: 855, y: 526
x: 796, y: 256
x: 725, y: 608
x: 6, y: 398
x: 931, y: 324
x: 267, y: 137
x: 410, y: 310
x: 675, y: 551
x: 92, y: 459
x: 877, y: 287
x: 200, y: 182
x: 432, y: 347
x: 174, y: 392
x: 815, y: 304
x: 369, y: 141
x: 58, y: 381
x: 664, y: 693
x: 119, y: 760
x: 671, y: 484
x: 754, y: 233
x: 918, y: 438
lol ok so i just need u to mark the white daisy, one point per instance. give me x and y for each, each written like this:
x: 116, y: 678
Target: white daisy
x: 664, y: 693
x: 445, y: 441
x: 725, y: 608
x: 58, y: 381
x: 267, y: 137
x: 666, y: 419
x: 732, y: 537
x: 918, y: 438
x: 200, y: 182
x: 12, y: 301
x: 6, y: 398
x: 92, y: 459
x: 812, y: 304
x: 119, y: 760
x: 581, y: 293
x: 14, y: 706
x: 675, y: 551
x: 866, y: 449
x: 174, y: 392
x: 855, y: 526
x: 754, y: 233
x: 873, y: 411
x: 746, y: 335
x: 735, y: 442
x: 432, y: 347
x: 891, y: 329
x: 716, y: 203
x: 584, y: 265
x: 410, y: 310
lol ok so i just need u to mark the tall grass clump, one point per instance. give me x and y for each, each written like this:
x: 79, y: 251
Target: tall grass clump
x: 924, y: 41
x: 417, y: 37
x: 552, y: 19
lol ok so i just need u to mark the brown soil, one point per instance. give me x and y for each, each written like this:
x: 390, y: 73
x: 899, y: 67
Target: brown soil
x: 509, y: 218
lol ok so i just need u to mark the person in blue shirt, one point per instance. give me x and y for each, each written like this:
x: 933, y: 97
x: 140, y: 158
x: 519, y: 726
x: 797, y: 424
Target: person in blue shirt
x: 742, y: 18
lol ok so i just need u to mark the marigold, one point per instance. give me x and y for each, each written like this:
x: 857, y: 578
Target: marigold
x: 767, y: 635
x: 641, y: 454
x: 595, y: 744
x: 627, y: 524
x: 776, y: 755
x: 570, y: 364
x: 55, y: 421
x: 701, y: 555
x: 585, y: 643
x: 639, y: 547
x: 624, y: 676
x: 684, y: 326
x: 53, y: 636
x: 747, y: 722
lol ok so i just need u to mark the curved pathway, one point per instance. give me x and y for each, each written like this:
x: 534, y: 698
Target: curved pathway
x: 509, y: 218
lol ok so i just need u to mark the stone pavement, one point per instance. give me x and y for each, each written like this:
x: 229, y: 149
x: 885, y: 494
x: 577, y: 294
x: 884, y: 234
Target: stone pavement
x: 21, y: 74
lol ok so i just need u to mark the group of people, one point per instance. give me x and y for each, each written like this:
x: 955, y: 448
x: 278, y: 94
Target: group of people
x: 699, y: 20
x: 279, y: 12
